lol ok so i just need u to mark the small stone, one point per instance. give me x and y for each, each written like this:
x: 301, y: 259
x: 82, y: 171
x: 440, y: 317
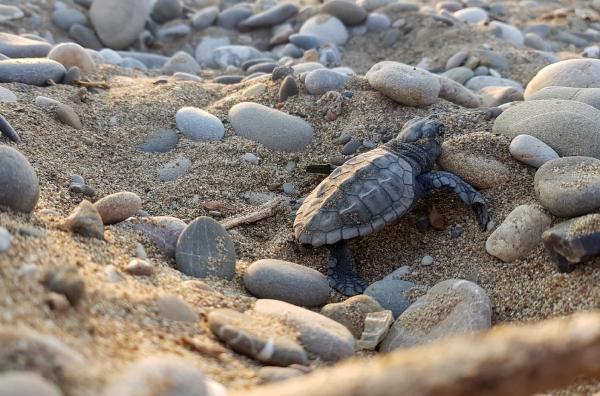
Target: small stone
x: 377, y: 22
x: 321, y: 81
x: 204, y: 17
x: 67, y: 115
x: 391, y: 294
x: 352, y: 312
x: 480, y: 82
x: 9, y: 13
x: 269, y: 374
x: 471, y: 15
x: 174, y: 169
x: 574, y: 241
x: 351, y: 147
x: 181, y: 62
x: 326, y: 27
x: 21, y: 47
x: 85, y: 36
x: 181, y: 76
x: 85, y: 221
x: 5, y: 240
x: 118, y: 23
x: 139, y: 267
x: 117, y: 207
x: 236, y: 330
x: 113, y: 275
x: 8, y: 131
x: 15, y: 383
x: 205, y: 249
x: 497, y: 96
x: 72, y: 75
x: 456, y: 60
x: 459, y: 74
x: 427, y: 260
x: 162, y: 230
x: 377, y: 325
x: 198, y: 124
x: 531, y: 151
x: 255, y: 90
x: 65, y: 18
x: 289, y: 189
x: 32, y: 71
x: 71, y: 54
x: 590, y: 96
x: 230, y: 17
x: 271, y: 17
x: 166, y: 10
x: 66, y: 281
x: 206, y: 47
x: 174, y: 308
x: 20, y: 186
x: 160, y: 141
x: 286, y: 281
x: 251, y: 158
x: 347, y: 12
x: 7, y: 96
x: 234, y: 55
x: 140, y: 251
x: 306, y: 41
x: 288, y: 88
x: 508, y: 33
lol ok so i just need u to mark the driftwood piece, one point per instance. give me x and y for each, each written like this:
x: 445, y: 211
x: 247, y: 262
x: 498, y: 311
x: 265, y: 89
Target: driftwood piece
x: 265, y: 211
x: 506, y: 361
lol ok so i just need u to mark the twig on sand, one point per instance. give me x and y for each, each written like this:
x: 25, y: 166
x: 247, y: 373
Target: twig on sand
x: 91, y: 84
x: 267, y: 210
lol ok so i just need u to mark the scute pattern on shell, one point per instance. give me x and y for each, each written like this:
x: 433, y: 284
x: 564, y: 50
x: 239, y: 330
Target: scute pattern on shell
x: 360, y: 197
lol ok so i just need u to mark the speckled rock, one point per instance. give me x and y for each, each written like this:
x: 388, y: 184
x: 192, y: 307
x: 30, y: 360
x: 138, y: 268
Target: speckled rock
x: 318, y: 334
x: 327, y: 27
x: 85, y: 221
x: 519, y: 233
x: 20, y: 187
x: 569, y: 127
x: 117, y: 207
x: 15, y: 383
x: 164, y: 231
x: 274, y: 129
x: 160, y: 375
x: 21, y: 47
x: 286, y: 281
x: 198, y: 124
x: 449, y: 308
x: 352, y: 312
x: 323, y: 80
x: 590, y: 96
x: 119, y: 22
x: 531, y: 151
x: 32, y: 71
x: 575, y: 73
x: 569, y: 186
x: 205, y: 249
x: 235, y: 329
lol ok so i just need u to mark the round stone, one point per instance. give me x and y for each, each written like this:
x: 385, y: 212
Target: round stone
x: 531, y: 151
x: 32, y: 71
x: 67, y: 17
x: 204, y: 249
x: 19, y: 186
x: 377, y: 22
x: 286, y: 281
x: 181, y: 62
x: 569, y: 186
x: 575, y: 73
x: 198, y: 124
x: 85, y: 36
x: 166, y: 10
x: 5, y: 239
x: 272, y: 128
x: 323, y: 80
x: 117, y: 207
x: 23, y: 383
x: 233, y: 55
x: 480, y: 82
x: 391, y: 294
x: 519, y: 233
x: 405, y: 84
x: 326, y: 27
x: 118, y: 23
x: 569, y: 127
x: 204, y: 17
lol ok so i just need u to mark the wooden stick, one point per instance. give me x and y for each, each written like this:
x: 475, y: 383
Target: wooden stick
x: 506, y: 361
x: 265, y: 211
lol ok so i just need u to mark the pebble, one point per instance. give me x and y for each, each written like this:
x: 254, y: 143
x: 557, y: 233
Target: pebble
x: 228, y: 79
x: 480, y: 82
x: 405, y: 84
x: 548, y: 120
x: 271, y: 17
x: 307, y: 41
x: 351, y: 147
x: 320, y: 81
x: 160, y: 375
x: 456, y: 60
x: 7, y: 96
x: 234, y: 55
x: 569, y: 186
x: 391, y: 294
x: 471, y: 15
x: 199, y: 125
x: 174, y: 169
x: 85, y: 36
x: 5, y: 240
x: 347, y: 12
x: 289, y: 189
x: 318, y: 334
x: 85, y: 221
x: 378, y: 22
x: 427, y: 260
x: 23, y: 383
x: 205, y: 249
x: 78, y: 186
x: 575, y: 73
x: 497, y: 96
x: 113, y: 275
x: 160, y: 141
x: 164, y: 231
x: 118, y: 23
x: 272, y: 128
x: 174, y: 308
x: 67, y: 115
x: 519, y: 234
x: 574, y: 240
x: 459, y: 74
x: 117, y: 207
x: 531, y: 151
x: 377, y: 325
x: 288, y: 88
x: 206, y: 47
x: 72, y: 75
x: 179, y: 76
x: 66, y: 281
x: 532, y: 40
x: 181, y: 62
x: 235, y: 329
x: 286, y: 281
x: 20, y: 187
x: 32, y: 71
x: 205, y: 17
x: 111, y: 57
x: 232, y: 16
x: 508, y: 33
x: 139, y: 267
x: 266, y: 67
x: 166, y: 10
x: 352, y: 312
x: 21, y: 47
x: 590, y: 96
x: 326, y: 27
x: 251, y: 158
x: 8, y: 131
x: 270, y: 374
x: 65, y: 18
x: 451, y: 307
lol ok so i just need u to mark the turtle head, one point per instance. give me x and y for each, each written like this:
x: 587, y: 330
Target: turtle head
x: 427, y: 128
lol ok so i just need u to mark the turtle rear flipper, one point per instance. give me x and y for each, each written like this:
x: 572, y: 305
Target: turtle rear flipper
x: 437, y: 180
x: 340, y: 274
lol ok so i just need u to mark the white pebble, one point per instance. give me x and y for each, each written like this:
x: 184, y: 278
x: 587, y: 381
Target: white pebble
x: 531, y: 151
x: 427, y: 260
x: 251, y: 158
x: 5, y: 240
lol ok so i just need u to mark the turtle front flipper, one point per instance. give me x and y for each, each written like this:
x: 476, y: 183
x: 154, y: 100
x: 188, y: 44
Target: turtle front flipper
x: 340, y: 273
x: 437, y: 180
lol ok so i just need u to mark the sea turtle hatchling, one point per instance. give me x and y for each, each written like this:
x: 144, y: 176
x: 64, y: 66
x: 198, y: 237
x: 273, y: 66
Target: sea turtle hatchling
x: 374, y: 189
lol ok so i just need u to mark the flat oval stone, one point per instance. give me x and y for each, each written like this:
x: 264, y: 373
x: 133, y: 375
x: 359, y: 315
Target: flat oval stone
x: 306, y: 41
x: 230, y: 17
x: 347, y: 12
x: 160, y: 141
x: 32, y: 71
x: 519, y: 233
x: 574, y: 240
x: 319, y: 81
x: 449, y: 308
x: 531, y: 151
x: 118, y: 23
x: 286, y: 281
x: 508, y: 33
x: 272, y: 128
x: 67, y: 17
x: 66, y: 114
x: 569, y: 186
x: 569, y: 127
x: 20, y: 187
x: 497, y: 96
x: 205, y: 17
x: 575, y: 73
x: 164, y: 231
x: 405, y: 84
x: 480, y: 82
x: 150, y: 60
x: 318, y: 334
x: 327, y: 27
x: 459, y: 74
x: 271, y: 17
x: 21, y: 47
x: 234, y: 55
x: 205, y: 249
x: 14, y: 383
x: 117, y: 207
x: 198, y: 124
x: 166, y: 10
x: 471, y: 15
x: 589, y: 96
x: 391, y: 294
x: 8, y: 131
